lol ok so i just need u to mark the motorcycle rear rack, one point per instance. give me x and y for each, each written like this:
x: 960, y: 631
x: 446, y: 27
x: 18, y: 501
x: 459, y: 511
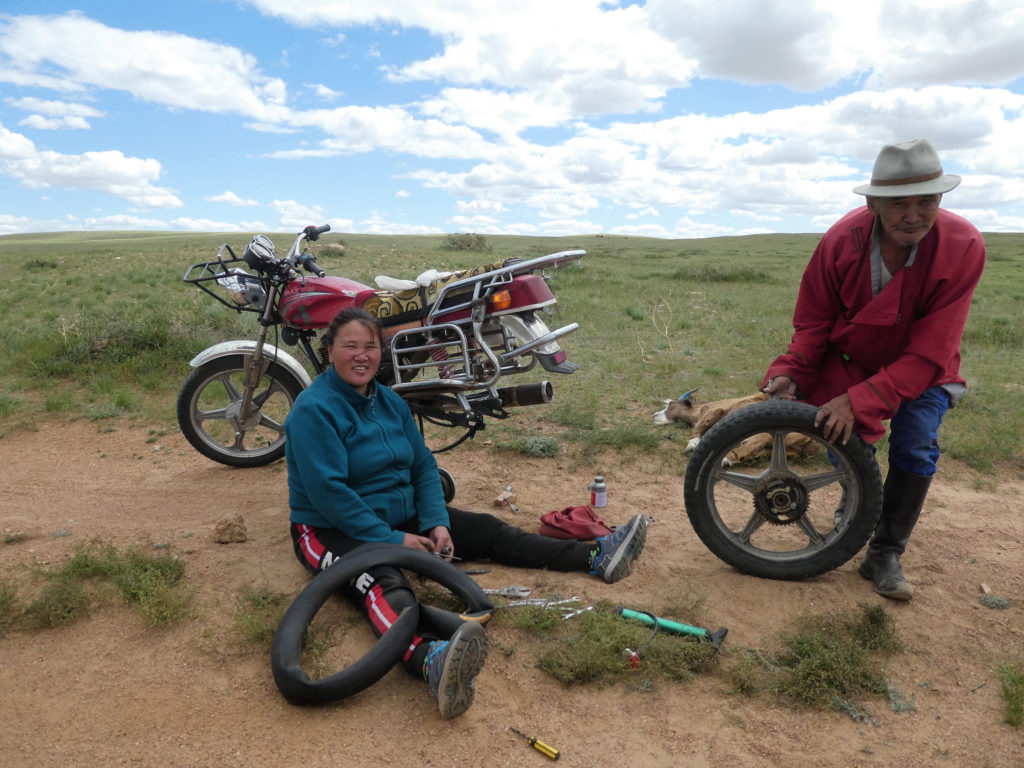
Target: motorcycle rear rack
x: 452, y: 351
x: 449, y: 301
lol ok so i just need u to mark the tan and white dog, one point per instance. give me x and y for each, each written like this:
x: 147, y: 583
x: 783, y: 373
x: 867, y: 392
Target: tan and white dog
x: 683, y: 410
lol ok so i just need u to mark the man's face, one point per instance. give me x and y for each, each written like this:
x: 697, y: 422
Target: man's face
x: 905, y: 220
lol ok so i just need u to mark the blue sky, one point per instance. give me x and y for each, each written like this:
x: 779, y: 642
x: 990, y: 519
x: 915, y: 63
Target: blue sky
x: 668, y: 118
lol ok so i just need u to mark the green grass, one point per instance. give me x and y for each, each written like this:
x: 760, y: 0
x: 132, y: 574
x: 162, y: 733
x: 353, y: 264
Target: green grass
x: 591, y: 647
x: 99, y: 325
x: 9, y: 610
x: 827, y: 660
x: 257, y: 613
x: 151, y: 584
x: 1011, y: 679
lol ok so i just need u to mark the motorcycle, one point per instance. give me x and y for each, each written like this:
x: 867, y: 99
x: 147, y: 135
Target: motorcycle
x: 449, y: 339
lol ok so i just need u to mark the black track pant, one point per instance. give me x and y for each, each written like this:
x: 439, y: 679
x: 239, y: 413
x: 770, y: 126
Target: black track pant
x: 384, y: 592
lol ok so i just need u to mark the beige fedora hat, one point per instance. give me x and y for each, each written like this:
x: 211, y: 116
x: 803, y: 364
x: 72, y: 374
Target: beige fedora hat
x: 908, y: 169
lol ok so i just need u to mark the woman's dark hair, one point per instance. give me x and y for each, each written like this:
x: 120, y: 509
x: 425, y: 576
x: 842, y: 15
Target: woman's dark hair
x: 343, y: 318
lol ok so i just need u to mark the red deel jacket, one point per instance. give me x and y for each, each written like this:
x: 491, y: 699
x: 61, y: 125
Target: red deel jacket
x: 892, y: 347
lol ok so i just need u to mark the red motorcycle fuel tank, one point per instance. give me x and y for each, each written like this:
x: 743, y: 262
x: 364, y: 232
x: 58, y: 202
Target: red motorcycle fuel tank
x: 313, y: 302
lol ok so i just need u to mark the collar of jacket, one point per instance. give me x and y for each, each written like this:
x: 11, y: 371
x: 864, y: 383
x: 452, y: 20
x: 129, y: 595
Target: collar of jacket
x: 356, y: 399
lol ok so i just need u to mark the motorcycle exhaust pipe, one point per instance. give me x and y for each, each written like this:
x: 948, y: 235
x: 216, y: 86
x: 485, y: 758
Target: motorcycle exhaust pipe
x: 527, y: 394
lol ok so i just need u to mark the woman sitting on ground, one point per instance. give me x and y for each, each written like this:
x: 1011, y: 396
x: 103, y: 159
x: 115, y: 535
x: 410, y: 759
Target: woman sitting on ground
x: 359, y: 471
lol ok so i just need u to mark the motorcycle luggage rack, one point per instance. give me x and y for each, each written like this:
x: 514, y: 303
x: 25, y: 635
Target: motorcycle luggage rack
x: 204, y: 272
x: 448, y: 300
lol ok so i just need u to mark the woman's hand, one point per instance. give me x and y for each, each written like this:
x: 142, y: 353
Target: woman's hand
x: 837, y: 416
x: 441, y: 539
x: 413, y: 541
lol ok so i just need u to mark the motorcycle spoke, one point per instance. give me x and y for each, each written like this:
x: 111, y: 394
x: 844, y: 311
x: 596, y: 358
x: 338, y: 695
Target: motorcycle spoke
x: 739, y: 479
x: 229, y: 387
x: 753, y: 524
x: 258, y: 400
x: 269, y: 423
x: 823, y: 479
x: 217, y: 414
x: 779, y: 461
x: 815, y: 539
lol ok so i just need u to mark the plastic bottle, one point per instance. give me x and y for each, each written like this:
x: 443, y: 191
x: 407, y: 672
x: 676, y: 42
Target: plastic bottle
x: 598, y: 492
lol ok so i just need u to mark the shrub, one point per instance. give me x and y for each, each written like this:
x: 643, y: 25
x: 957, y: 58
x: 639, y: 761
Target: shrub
x: 465, y: 241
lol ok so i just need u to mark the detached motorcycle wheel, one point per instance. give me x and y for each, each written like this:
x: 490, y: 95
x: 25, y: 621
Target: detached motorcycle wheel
x: 777, y: 517
x: 209, y: 412
x: 286, y: 650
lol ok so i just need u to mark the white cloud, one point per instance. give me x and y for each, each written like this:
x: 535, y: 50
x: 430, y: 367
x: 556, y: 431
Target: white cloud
x: 365, y: 129
x: 206, y: 225
x: 55, y: 123
x: 230, y: 198
x: 162, y: 67
x: 646, y: 210
x: 54, y: 108
x: 110, y: 171
x: 323, y: 92
x: 295, y: 216
x: 379, y: 223
x: 479, y: 206
x: 478, y: 223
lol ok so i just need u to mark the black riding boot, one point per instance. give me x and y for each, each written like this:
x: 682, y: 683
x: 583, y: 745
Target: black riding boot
x: 902, y: 500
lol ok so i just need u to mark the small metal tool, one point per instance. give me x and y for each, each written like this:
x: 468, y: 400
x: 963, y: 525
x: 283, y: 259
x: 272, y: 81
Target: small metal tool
x: 540, y: 746
x: 513, y: 507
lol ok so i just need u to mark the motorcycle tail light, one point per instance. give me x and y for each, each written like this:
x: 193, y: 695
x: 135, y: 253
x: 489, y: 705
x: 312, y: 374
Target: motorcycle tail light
x: 501, y: 300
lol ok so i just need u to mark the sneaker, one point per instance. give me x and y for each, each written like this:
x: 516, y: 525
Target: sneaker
x: 451, y: 665
x: 619, y: 549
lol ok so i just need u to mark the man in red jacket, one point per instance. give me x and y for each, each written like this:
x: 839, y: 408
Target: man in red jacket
x: 878, y: 321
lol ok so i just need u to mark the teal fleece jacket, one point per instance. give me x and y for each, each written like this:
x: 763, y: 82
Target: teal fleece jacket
x: 358, y: 464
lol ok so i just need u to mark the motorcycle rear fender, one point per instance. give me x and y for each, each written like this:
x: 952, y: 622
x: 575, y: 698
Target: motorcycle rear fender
x: 247, y: 347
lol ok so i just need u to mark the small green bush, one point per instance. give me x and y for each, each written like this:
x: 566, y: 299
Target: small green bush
x: 1011, y: 677
x: 8, y: 607
x: 258, y: 613
x: 540, y: 446
x: 465, y: 241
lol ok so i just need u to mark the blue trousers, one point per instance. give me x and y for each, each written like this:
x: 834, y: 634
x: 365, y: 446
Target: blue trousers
x: 914, y: 433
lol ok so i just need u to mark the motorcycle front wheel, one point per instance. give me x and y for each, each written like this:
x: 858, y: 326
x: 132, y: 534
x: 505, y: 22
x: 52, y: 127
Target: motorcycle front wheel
x: 776, y: 514
x: 209, y: 412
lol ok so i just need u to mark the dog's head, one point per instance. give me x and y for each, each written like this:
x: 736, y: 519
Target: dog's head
x: 681, y: 410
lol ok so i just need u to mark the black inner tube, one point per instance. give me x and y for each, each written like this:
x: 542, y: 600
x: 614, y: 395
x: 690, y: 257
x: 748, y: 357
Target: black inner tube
x: 286, y: 650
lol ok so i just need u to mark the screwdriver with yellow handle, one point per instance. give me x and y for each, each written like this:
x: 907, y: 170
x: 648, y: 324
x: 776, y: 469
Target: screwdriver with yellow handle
x: 540, y: 746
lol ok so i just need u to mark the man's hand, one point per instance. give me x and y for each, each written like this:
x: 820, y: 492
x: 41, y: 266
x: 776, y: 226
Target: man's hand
x: 837, y: 417
x: 782, y: 387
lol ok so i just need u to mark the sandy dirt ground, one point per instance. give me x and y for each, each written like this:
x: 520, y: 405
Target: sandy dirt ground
x: 110, y: 691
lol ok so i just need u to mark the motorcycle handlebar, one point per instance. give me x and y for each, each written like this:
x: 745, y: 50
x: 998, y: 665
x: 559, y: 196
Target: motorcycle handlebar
x: 309, y: 264
x: 313, y: 233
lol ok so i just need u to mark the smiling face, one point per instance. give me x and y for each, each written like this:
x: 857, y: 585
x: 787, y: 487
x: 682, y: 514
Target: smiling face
x: 905, y: 220
x: 355, y: 355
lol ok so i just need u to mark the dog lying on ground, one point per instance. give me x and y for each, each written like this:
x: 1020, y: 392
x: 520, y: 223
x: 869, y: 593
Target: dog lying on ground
x: 683, y: 410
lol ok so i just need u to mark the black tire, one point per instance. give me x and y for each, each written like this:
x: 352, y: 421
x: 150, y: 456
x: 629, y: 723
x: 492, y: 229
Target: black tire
x: 286, y: 650
x: 772, y: 518
x: 447, y: 484
x: 208, y: 404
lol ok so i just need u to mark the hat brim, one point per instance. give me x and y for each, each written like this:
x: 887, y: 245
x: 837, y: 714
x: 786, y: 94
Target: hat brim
x: 937, y: 186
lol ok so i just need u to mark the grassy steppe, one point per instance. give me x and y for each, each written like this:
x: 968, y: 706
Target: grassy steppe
x: 99, y: 325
